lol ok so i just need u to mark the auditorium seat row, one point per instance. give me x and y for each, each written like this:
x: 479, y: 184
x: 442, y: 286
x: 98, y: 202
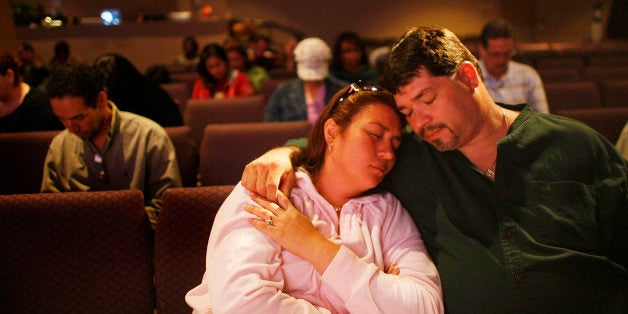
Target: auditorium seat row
x: 586, y: 94
x: 23, y: 155
x: 95, y: 252
x: 219, y: 158
x: 597, y: 74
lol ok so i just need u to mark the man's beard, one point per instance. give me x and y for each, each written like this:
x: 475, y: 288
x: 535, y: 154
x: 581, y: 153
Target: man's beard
x: 438, y: 143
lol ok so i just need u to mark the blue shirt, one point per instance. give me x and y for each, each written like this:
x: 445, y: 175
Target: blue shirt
x: 288, y: 101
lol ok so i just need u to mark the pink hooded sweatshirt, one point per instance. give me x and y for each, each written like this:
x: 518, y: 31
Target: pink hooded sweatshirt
x: 247, y: 272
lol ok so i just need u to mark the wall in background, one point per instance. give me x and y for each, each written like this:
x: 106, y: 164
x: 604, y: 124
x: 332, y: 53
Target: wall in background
x: 534, y: 21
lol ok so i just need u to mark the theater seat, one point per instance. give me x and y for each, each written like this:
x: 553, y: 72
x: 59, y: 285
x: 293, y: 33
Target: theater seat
x: 615, y: 93
x: 606, y: 121
x: 201, y: 112
x: 180, y: 93
x: 181, y: 236
x: 22, y: 157
x: 75, y: 252
x: 227, y: 148
x: 187, y: 153
x: 572, y: 95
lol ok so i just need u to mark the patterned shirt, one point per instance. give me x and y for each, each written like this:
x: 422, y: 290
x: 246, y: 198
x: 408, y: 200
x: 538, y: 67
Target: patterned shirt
x: 520, y: 84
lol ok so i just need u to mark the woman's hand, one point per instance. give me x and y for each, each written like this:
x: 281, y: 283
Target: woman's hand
x: 292, y: 230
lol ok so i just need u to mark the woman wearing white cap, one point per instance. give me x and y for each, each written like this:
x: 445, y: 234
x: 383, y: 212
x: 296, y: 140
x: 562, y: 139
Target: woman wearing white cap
x: 304, y: 98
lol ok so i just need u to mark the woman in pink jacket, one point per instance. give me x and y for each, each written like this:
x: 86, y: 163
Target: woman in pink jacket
x: 343, y: 247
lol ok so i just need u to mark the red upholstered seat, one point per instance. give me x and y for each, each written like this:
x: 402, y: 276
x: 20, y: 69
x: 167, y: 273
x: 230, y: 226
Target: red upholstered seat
x: 181, y: 238
x: 22, y: 157
x: 227, y: 148
x: 187, y: 153
x: 75, y: 252
x: 572, y: 95
x: 201, y: 112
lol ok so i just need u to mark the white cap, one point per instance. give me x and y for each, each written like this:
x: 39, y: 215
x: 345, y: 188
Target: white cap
x: 312, y: 56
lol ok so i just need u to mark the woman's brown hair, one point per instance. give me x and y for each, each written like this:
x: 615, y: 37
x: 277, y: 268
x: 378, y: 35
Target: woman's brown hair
x: 348, y: 102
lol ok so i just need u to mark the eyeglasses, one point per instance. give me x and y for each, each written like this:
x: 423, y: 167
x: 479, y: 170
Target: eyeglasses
x: 354, y: 88
x: 507, y: 54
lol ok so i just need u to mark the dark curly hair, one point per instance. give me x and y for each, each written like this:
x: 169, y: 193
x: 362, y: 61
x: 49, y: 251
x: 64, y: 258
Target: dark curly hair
x: 435, y: 48
x: 8, y: 62
x: 76, y: 80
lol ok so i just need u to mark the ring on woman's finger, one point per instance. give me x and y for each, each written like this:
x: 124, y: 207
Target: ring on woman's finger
x: 269, y: 221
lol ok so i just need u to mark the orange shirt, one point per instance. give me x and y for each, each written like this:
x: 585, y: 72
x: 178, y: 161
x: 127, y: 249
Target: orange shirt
x: 238, y: 85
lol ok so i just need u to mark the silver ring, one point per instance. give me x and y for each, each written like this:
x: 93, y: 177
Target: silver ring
x: 269, y: 221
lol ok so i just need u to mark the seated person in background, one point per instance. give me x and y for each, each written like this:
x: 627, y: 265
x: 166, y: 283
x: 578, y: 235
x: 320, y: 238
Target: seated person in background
x: 622, y: 142
x: 22, y: 107
x: 508, y: 82
x: 350, y: 61
x: 261, y: 53
x: 347, y: 247
x: 378, y: 58
x: 288, y: 53
x: 103, y: 148
x: 133, y: 92
x: 62, y: 55
x: 217, y: 79
x: 190, y: 52
x: 236, y: 54
x: 304, y: 98
x: 33, y: 67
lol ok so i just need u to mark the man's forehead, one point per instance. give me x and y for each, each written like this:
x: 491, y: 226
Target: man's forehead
x: 419, y: 82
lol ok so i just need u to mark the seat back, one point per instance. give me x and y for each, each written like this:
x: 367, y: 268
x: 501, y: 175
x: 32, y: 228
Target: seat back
x: 572, y: 95
x: 615, y: 93
x: 227, y: 148
x: 268, y: 87
x: 553, y: 61
x: 606, y: 121
x: 201, y: 112
x: 23, y: 155
x: 560, y: 74
x: 180, y: 93
x: 187, y: 153
x: 602, y: 73
x: 76, y: 252
x: 187, y: 77
x: 181, y: 236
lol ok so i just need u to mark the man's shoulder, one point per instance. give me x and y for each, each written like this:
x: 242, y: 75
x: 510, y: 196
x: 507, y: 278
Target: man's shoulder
x: 65, y: 139
x: 136, y: 123
x: 522, y: 67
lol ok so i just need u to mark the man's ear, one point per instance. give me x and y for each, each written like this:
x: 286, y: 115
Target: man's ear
x: 468, y: 75
x: 10, y: 76
x: 103, y: 99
